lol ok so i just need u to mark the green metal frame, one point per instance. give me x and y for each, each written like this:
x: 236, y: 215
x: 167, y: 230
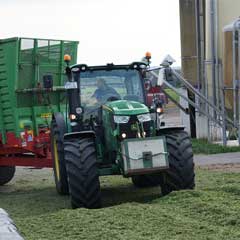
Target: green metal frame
x: 22, y: 69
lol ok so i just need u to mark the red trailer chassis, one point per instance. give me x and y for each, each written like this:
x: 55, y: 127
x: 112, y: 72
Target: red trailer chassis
x: 27, y: 150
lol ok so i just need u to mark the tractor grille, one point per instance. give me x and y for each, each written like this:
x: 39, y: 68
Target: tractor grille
x: 130, y: 127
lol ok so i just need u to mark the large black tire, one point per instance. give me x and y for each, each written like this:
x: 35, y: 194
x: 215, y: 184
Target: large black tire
x: 83, y: 178
x: 6, y: 174
x: 144, y: 181
x: 180, y: 174
x: 59, y: 165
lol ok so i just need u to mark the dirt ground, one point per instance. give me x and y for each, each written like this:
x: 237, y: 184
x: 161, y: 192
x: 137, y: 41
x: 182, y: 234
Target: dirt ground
x: 28, y: 175
x: 25, y: 175
x: 231, y: 167
x: 171, y: 116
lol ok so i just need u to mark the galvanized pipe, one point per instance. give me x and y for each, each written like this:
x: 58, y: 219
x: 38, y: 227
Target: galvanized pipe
x: 193, y: 104
x: 197, y: 41
x: 224, y: 128
x: 213, y: 57
x: 216, y: 66
x: 238, y: 93
x: 234, y: 73
x: 189, y: 101
x: 190, y: 87
x: 206, y: 105
x: 209, y: 103
x: 202, y: 47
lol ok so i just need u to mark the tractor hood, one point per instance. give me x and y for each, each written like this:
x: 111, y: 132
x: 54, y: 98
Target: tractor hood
x: 125, y: 107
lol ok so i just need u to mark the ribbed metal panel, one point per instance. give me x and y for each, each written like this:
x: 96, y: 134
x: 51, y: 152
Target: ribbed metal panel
x: 6, y: 118
x: 23, y: 63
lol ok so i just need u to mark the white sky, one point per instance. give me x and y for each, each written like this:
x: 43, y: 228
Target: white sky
x: 118, y: 31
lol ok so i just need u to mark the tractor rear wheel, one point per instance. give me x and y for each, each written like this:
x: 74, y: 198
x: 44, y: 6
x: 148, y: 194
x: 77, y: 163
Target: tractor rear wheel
x: 83, y: 178
x: 59, y: 165
x: 144, y: 181
x: 180, y: 174
x: 6, y: 174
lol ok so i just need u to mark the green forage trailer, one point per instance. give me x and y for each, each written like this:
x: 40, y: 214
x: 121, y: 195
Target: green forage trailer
x: 31, y: 80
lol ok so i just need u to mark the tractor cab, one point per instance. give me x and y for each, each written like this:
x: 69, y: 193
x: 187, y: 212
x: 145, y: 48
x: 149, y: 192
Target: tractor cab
x: 112, y: 104
x: 100, y: 84
x: 118, y: 89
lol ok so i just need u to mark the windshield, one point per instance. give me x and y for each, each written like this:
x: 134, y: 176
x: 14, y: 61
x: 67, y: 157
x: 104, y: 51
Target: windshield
x: 100, y: 86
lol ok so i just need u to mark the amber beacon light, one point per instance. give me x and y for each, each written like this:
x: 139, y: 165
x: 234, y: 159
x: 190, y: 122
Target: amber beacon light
x: 67, y: 58
x: 148, y: 55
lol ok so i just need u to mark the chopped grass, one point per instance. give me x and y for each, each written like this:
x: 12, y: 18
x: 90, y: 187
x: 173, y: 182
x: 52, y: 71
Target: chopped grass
x: 204, y: 147
x: 211, y: 211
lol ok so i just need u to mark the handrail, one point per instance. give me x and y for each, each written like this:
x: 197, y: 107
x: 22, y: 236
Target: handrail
x: 221, y: 120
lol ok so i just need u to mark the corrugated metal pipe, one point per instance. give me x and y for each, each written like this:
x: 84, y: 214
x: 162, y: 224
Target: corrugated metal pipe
x: 214, y: 43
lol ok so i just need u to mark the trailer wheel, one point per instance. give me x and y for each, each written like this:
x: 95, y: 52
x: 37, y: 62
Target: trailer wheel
x: 6, y: 174
x: 180, y: 174
x: 144, y: 181
x: 83, y: 178
x: 59, y: 166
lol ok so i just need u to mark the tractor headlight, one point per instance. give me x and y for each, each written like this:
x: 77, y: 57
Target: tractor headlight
x: 121, y: 119
x: 144, y: 117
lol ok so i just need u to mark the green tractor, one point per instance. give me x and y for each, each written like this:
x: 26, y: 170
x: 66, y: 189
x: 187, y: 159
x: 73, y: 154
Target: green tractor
x: 110, y: 130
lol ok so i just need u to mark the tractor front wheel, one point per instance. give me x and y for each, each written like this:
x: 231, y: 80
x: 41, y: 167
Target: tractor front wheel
x: 59, y: 166
x: 180, y: 174
x: 83, y: 178
x: 6, y: 174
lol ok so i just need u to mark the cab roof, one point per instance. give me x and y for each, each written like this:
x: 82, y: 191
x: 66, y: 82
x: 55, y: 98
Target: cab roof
x: 109, y: 66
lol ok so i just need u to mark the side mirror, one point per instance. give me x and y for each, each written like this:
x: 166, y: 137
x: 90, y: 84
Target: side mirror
x: 161, y: 77
x: 68, y: 72
x: 168, y: 74
x: 167, y: 61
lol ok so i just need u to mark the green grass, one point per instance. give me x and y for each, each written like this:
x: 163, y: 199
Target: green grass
x: 202, y: 146
x: 211, y: 211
